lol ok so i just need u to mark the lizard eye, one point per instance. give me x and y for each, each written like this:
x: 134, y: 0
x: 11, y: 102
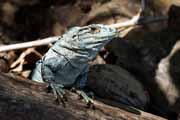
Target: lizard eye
x: 95, y: 29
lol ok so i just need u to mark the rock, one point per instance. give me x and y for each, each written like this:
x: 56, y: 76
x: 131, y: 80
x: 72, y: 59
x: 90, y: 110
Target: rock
x: 167, y: 78
x: 125, y: 55
x: 115, y: 83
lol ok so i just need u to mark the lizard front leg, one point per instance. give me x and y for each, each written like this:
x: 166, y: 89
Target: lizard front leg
x: 87, y: 95
x: 48, y: 76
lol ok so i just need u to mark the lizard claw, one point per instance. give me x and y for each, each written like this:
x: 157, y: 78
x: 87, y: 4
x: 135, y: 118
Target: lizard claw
x: 59, y: 93
x: 87, y: 98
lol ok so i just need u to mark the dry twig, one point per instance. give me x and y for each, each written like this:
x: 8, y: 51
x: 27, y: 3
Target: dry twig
x: 136, y: 20
x: 35, y: 43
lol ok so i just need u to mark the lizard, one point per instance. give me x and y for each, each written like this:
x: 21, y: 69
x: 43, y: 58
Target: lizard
x: 65, y: 65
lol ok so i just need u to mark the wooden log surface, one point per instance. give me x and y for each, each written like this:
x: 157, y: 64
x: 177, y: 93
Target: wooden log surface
x: 22, y: 99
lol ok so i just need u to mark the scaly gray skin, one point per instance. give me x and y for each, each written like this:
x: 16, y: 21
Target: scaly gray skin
x: 66, y: 63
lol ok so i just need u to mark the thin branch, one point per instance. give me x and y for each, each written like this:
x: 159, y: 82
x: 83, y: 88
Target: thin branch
x: 35, y: 43
x: 46, y: 41
x: 132, y: 22
x: 139, y: 21
x: 136, y: 20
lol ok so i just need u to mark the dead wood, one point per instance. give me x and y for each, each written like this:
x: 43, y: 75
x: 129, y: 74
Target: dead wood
x: 22, y: 99
x: 136, y: 20
x: 30, y: 44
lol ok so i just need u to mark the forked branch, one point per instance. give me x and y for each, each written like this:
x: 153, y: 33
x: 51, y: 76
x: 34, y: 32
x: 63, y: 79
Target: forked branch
x: 134, y: 21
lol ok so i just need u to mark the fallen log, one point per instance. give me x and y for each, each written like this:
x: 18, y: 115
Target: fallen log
x: 23, y: 99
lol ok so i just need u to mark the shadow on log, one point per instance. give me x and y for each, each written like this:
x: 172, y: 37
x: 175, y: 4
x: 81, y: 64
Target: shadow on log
x: 23, y: 99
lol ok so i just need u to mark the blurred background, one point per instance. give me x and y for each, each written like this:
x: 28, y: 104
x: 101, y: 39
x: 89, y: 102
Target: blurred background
x: 149, y: 52
x: 31, y: 19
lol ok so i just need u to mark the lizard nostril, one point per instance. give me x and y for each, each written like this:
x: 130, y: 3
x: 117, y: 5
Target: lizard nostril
x: 74, y: 36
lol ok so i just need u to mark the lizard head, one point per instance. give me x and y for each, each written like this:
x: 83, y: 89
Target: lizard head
x: 92, y: 37
x: 87, y: 41
x: 96, y: 31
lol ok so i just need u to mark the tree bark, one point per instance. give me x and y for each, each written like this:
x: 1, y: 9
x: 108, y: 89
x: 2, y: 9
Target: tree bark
x: 22, y: 99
